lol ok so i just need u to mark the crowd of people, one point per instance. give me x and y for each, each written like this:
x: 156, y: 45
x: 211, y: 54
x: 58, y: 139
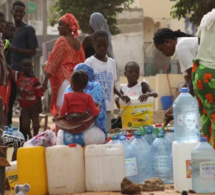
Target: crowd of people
x: 83, y: 75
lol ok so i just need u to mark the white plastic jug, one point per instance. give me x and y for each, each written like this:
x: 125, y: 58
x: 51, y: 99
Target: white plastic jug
x: 182, y: 170
x: 105, y: 167
x: 65, y: 169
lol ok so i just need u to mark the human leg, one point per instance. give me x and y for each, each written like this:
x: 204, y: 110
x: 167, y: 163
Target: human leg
x: 11, y: 101
x: 34, y: 113
x: 25, y: 121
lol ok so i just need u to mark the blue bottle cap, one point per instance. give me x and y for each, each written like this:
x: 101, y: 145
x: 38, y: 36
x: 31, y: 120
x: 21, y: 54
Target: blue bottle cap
x: 137, y: 135
x: 115, y: 137
x: 160, y: 135
x: 184, y: 90
x: 172, y: 130
x: 6, y: 128
x: 203, y: 139
x: 15, y: 128
x: 149, y: 130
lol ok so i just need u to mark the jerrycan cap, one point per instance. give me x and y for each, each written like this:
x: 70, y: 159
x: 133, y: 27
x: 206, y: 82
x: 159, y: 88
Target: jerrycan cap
x: 137, y: 135
x: 184, y: 90
x: 72, y: 145
x: 115, y: 137
x: 203, y: 139
x: 160, y: 135
x: 122, y: 137
x: 149, y: 130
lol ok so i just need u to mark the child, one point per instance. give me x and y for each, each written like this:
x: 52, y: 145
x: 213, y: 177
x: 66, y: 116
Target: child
x: 135, y: 88
x: 74, y: 110
x: 105, y: 70
x: 29, y: 93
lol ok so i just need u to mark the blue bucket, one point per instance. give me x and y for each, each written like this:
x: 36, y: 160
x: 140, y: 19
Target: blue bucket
x: 166, y: 102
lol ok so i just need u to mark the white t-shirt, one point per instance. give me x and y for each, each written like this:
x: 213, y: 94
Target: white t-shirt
x: 105, y: 73
x: 186, y: 50
x: 132, y: 91
x: 206, y: 53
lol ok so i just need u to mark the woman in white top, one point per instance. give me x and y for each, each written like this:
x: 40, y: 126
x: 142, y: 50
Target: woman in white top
x: 185, y: 47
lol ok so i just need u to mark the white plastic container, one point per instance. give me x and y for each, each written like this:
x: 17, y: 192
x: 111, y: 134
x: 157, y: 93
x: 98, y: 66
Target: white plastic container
x: 105, y: 167
x: 182, y: 170
x: 65, y: 169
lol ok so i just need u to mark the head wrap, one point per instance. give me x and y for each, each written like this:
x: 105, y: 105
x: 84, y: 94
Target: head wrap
x: 98, y: 22
x: 72, y: 22
x: 88, y: 69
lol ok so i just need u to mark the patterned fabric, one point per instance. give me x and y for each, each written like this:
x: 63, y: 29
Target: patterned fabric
x: 204, y: 85
x: 60, y: 65
x: 29, y: 89
x: 95, y: 90
x: 72, y: 22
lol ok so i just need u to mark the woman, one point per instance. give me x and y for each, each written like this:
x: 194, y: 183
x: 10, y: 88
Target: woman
x: 96, y: 134
x: 66, y: 54
x: 185, y: 47
x: 97, y: 22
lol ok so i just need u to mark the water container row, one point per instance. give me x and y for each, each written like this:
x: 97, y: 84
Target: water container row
x: 65, y: 169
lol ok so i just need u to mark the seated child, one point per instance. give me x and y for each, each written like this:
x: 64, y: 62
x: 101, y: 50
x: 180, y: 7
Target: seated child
x: 74, y: 116
x: 29, y: 94
x: 135, y: 88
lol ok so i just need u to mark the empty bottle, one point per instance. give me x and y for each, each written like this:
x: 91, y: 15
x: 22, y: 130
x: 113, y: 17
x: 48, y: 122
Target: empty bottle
x: 203, y: 167
x: 149, y: 136
x: 161, y: 151
x: 170, y: 136
x: 138, y: 167
x: 114, y: 140
x: 186, y: 117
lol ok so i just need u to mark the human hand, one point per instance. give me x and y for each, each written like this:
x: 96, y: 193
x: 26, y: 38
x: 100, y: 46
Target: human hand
x: 14, y: 49
x: 168, y: 116
x: 125, y: 98
x: 44, y: 86
x: 143, y: 97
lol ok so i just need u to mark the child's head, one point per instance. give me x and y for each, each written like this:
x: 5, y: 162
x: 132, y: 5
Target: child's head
x: 101, y: 43
x: 79, y: 80
x: 132, y: 72
x: 2, y: 22
x: 27, y: 66
x: 9, y: 31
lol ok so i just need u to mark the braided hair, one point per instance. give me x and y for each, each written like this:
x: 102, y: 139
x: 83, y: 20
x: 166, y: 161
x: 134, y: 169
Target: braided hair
x: 165, y: 33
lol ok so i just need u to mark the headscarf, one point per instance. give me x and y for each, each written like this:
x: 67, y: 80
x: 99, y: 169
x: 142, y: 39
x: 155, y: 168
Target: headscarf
x: 95, y: 90
x: 72, y: 22
x: 98, y: 22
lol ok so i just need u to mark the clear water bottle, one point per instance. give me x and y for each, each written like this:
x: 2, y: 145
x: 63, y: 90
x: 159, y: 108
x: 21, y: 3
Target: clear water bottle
x: 186, y: 117
x: 170, y: 136
x: 17, y: 133
x: 203, y: 167
x: 161, y: 151
x: 114, y: 140
x: 138, y: 167
x: 149, y: 136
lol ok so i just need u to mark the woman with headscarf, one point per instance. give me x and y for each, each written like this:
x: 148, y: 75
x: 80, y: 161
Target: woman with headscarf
x: 96, y: 133
x: 66, y: 54
x: 97, y: 22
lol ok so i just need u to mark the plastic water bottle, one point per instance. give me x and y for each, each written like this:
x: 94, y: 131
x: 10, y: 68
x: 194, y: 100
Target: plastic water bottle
x: 170, y: 136
x: 186, y: 117
x: 161, y: 151
x: 203, y: 167
x: 114, y: 140
x: 149, y: 136
x: 137, y: 164
x: 17, y: 133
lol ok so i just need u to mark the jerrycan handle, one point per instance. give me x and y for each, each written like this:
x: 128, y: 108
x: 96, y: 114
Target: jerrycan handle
x: 180, y: 88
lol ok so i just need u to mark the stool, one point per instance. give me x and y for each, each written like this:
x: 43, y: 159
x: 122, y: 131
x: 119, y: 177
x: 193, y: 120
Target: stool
x: 45, y: 117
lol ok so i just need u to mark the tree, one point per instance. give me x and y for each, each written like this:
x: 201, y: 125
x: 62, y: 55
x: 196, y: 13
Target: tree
x: 82, y: 9
x: 196, y: 9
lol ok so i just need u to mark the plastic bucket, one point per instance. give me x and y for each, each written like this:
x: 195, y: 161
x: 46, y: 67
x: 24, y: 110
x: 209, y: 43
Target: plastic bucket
x: 166, y: 102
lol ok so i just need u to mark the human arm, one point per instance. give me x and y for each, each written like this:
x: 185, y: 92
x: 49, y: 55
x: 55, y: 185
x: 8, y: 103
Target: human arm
x: 29, y: 52
x: 188, y: 79
x: 63, y: 109
x: 147, y: 92
x: 92, y: 106
x: 45, y: 82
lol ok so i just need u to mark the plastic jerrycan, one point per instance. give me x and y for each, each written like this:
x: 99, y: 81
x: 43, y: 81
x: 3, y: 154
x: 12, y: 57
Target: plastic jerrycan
x: 31, y: 164
x: 65, y: 169
x: 12, y: 175
x: 105, y: 167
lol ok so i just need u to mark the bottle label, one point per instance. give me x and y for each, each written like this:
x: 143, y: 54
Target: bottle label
x: 207, y: 170
x: 189, y: 120
x: 188, y: 169
x: 162, y: 163
x: 131, y: 166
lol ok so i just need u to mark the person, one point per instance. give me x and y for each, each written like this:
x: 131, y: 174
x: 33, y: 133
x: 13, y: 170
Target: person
x: 185, y: 47
x: 105, y: 71
x: 4, y: 73
x: 29, y: 93
x: 74, y: 111
x: 96, y: 133
x: 135, y: 88
x: 8, y: 36
x: 204, y: 75
x: 97, y: 22
x: 66, y: 54
x: 25, y: 41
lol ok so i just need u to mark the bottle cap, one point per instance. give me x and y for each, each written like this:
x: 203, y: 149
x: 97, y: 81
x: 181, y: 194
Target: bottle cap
x: 6, y: 128
x: 115, y: 137
x: 184, y: 90
x: 149, y: 130
x: 15, y: 128
x: 172, y: 130
x: 137, y: 135
x: 72, y: 145
x: 122, y: 137
x: 160, y: 135
x: 203, y: 139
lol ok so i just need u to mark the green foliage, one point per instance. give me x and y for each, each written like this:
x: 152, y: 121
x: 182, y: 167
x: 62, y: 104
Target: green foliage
x: 195, y: 9
x: 82, y: 9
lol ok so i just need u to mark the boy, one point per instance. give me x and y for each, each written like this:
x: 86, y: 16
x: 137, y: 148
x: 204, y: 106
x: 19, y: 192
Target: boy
x: 30, y: 92
x: 105, y: 70
x: 135, y: 88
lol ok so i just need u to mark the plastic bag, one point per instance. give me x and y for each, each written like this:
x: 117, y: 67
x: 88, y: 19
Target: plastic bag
x: 46, y: 139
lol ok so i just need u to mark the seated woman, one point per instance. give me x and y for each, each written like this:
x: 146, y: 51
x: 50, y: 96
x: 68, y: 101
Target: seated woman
x: 96, y: 133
